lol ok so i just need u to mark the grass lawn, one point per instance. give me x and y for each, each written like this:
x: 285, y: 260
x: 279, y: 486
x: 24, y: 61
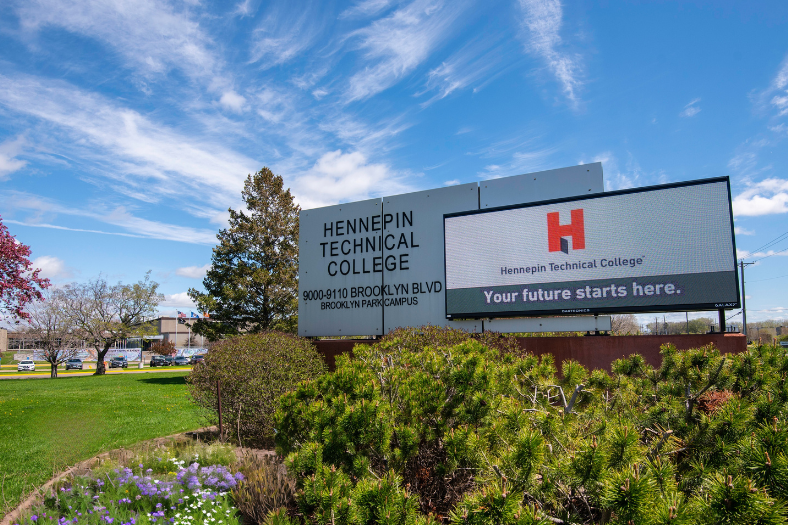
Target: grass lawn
x: 47, y: 425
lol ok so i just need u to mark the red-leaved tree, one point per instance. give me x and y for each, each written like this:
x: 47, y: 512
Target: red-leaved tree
x: 19, y: 282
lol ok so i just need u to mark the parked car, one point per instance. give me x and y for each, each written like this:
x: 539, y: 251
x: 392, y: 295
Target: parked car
x: 196, y: 359
x: 784, y: 343
x: 118, y: 362
x: 181, y: 361
x: 158, y: 360
x: 26, y: 366
x: 169, y: 359
x: 74, y: 364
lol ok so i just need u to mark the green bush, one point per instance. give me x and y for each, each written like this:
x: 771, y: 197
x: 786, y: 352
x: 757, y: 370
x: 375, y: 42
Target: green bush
x: 254, y: 370
x: 458, y: 431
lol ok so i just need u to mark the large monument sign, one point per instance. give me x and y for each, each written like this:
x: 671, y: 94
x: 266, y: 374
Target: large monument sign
x: 368, y: 267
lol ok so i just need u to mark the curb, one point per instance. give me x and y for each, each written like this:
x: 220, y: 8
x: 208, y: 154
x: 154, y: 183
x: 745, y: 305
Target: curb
x: 88, y: 464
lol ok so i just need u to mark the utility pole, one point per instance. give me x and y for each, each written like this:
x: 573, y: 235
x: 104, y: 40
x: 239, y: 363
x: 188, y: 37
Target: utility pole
x: 742, y: 264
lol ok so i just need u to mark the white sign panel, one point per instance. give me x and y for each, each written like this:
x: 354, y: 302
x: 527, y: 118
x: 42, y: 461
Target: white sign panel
x: 414, y: 287
x: 340, y: 271
x: 573, y: 181
x: 663, y: 248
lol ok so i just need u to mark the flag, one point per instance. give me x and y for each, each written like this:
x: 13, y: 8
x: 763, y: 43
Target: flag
x: 206, y: 315
x: 181, y: 314
x: 192, y: 314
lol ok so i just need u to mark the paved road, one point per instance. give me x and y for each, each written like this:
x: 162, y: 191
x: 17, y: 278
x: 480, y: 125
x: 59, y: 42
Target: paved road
x: 45, y: 373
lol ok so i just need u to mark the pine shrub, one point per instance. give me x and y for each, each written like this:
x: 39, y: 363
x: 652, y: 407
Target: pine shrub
x: 434, y: 425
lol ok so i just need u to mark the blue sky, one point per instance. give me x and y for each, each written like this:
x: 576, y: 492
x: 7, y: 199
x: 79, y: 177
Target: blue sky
x: 127, y: 127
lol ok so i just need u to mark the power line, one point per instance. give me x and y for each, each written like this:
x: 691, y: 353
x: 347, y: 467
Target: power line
x: 771, y: 243
x: 769, y: 279
x: 775, y: 253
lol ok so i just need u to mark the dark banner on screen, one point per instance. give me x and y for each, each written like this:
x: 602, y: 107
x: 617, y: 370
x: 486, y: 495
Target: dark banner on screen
x: 661, y: 248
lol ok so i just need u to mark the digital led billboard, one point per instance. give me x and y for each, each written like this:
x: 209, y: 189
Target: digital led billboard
x: 661, y: 248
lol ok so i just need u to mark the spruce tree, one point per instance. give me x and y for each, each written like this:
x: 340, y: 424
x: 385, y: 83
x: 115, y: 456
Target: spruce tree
x: 252, y: 285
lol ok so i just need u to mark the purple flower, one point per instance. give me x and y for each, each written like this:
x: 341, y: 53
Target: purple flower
x: 33, y: 518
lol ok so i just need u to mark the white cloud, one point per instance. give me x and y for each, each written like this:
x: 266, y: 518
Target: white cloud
x: 744, y: 254
x: 193, y: 272
x: 366, y: 8
x: 615, y: 177
x: 453, y: 182
x: 738, y: 230
x: 244, y: 8
x: 8, y: 151
x: 52, y: 267
x: 152, y: 36
x: 282, y: 36
x: 397, y: 44
x: 473, y: 64
x: 343, y: 177
x: 691, y: 109
x: 39, y: 209
x: 513, y: 156
x: 767, y: 197
x: 542, y: 22
x: 127, y: 147
x: 181, y: 300
x: 775, y: 96
x: 233, y: 101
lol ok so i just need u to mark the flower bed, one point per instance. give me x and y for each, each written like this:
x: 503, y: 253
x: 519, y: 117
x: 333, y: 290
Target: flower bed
x: 160, y: 488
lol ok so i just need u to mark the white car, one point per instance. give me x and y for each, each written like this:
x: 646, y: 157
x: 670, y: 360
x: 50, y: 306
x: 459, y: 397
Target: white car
x: 26, y: 366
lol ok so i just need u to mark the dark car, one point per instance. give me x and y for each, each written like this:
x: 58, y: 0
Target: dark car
x: 169, y: 360
x: 181, y: 361
x: 118, y: 362
x: 196, y: 359
x: 158, y: 360
x: 74, y: 364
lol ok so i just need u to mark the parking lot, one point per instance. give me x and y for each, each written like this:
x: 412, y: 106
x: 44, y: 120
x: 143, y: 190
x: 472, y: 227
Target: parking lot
x: 43, y: 370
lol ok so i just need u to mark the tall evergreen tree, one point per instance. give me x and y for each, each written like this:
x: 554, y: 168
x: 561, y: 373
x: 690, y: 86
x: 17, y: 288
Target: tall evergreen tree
x: 252, y: 284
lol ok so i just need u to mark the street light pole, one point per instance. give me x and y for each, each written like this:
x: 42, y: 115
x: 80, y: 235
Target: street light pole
x: 742, y: 264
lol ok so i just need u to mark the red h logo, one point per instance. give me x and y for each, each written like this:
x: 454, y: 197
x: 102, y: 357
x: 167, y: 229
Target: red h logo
x: 557, y: 233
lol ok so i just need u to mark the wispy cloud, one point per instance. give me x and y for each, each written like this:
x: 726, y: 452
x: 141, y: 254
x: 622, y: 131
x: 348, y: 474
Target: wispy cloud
x: 739, y: 230
x: 283, y: 34
x: 542, y: 20
x: 779, y: 89
x: 128, y: 147
x: 767, y: 197
x: 41, y: 212
x: 395, y: 45
x: 514, y: 157
x: 343, y: 177
x: 691, y: 109
x: 474, y: 64
x: 9, y: 150
x: 152, y: 36
x: 617, y: 177
x: 366, y: 8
